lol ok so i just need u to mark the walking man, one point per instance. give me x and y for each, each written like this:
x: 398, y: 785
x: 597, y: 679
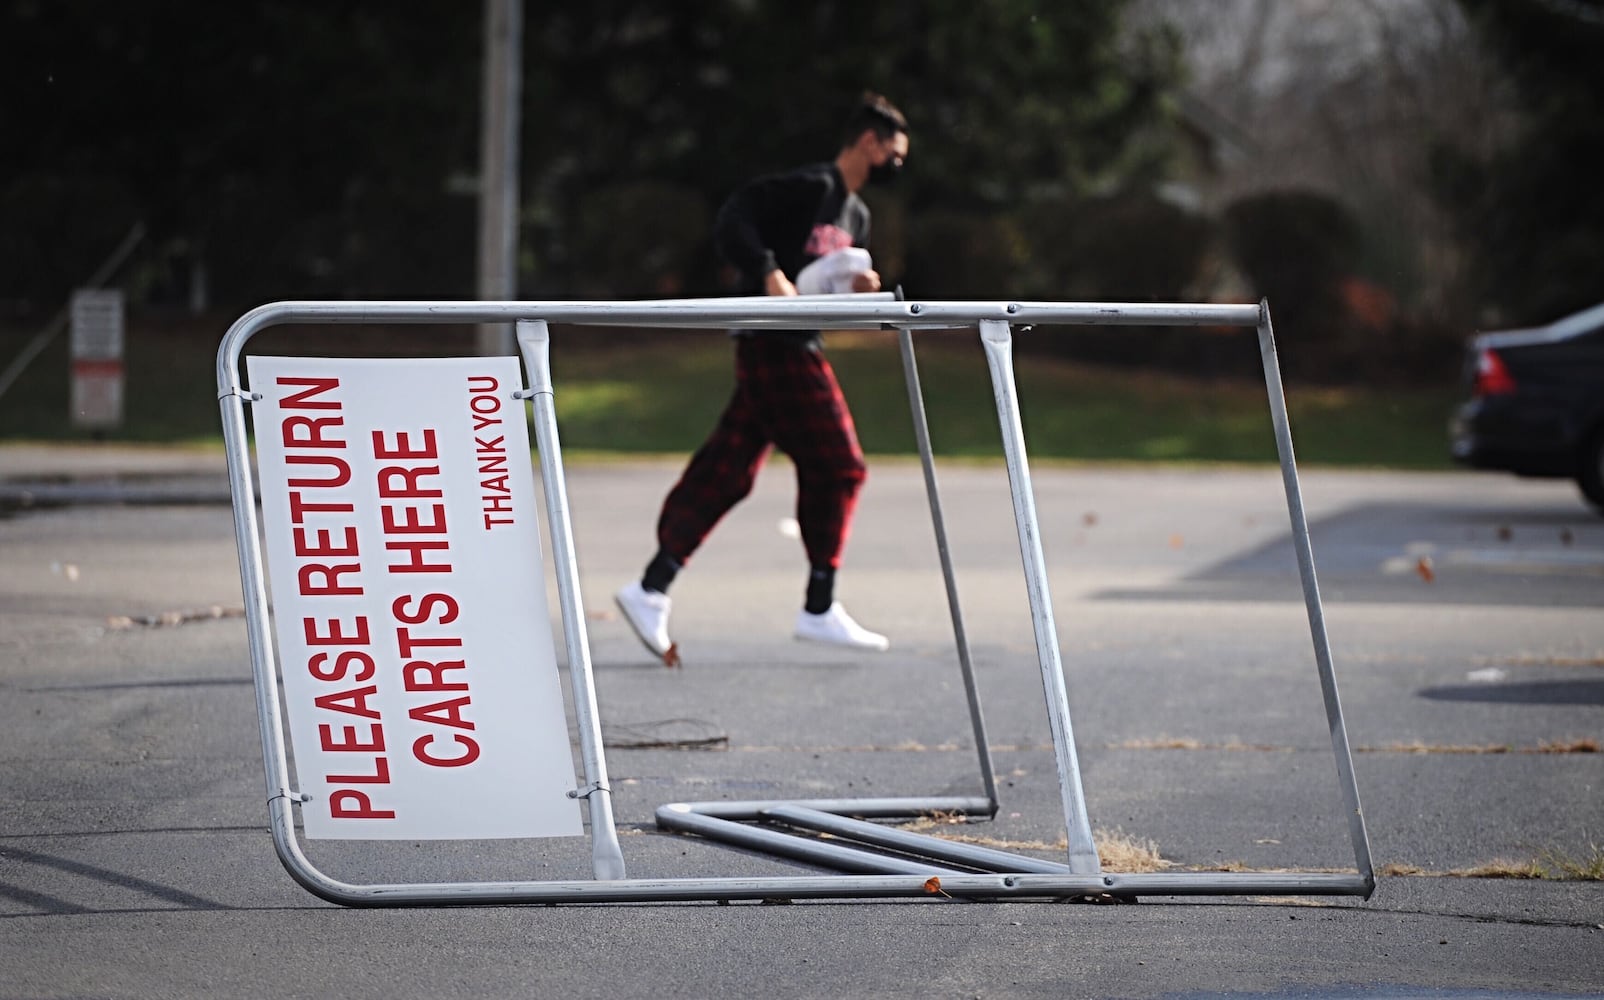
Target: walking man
x: 786, y: 395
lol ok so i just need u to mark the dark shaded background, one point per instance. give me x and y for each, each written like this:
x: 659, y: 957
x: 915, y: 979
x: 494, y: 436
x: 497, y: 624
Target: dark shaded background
x: 307, y: 148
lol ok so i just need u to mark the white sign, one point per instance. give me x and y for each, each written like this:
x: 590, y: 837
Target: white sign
x: 409, y: 599
x: 96, y: 398
x: 97, y: 324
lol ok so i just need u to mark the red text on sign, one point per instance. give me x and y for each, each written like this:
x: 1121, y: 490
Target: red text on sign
x: 328, y: 552
x: 495, y: 491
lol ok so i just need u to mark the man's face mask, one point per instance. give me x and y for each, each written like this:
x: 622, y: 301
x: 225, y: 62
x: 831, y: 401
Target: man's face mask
x: 884, y: 173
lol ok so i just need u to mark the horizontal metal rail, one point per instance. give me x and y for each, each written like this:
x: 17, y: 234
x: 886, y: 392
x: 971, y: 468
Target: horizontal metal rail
x: 891, y: 838
x: 824, y: 854
x: 995, y: 886
x: 905, y: 807
x: 806, y: 312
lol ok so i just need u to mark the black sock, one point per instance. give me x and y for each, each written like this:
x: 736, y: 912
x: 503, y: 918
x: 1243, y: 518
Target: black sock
x: 660, y: 572
x: 821, y: 591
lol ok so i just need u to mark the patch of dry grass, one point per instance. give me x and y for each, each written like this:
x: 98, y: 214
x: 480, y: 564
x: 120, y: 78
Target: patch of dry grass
x: 1117, y: 850
x: 1551, y: 865
x: 1227, y: 866
x: 1583, y: 745
x: 1122, y: 852
x: 1588, y: 868
x: 941, y: 824
x: 1187, y: 743
x: 930, y: 820
x: 1568, y: 746
x: 1500, y: 868
x: 1159, y: 743
x: 1417, y: 746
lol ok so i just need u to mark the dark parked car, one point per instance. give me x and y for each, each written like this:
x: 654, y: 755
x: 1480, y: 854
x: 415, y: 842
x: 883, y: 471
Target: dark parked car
x: 1537, y: 402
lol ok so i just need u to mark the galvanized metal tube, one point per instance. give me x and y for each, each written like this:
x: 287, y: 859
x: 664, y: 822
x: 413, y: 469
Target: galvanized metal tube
x: 758, y: 312
x: 816, y: 852
x: 242, y: 491
x: 917, y: 844
x: 869, y: 886
x: 264, y: 672
x: 997, y: 338
x: 938, y: 523
x: 1234, y: 883
x: 889, y: 808
x: 607, y: 859
x: 865, y: 886
x: 1311, y: 597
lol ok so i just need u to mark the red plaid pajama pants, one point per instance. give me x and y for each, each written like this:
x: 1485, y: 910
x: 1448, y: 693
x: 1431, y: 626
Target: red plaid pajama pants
x: 786, y: 396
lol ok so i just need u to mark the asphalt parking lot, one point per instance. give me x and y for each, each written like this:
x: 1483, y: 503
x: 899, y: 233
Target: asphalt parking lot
x: 1464, y: 617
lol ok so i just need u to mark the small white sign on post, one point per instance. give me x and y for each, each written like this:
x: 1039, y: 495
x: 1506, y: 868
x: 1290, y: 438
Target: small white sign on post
x: 409, y: 600
x: 97, y: 357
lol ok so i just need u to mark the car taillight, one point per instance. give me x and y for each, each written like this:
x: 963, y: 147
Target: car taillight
x: 1492, y: 378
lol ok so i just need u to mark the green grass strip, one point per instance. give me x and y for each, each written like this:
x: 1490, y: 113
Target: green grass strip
x: 631, y: 393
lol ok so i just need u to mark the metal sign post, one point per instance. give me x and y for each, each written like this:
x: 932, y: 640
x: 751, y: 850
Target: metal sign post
x: 878, y: 861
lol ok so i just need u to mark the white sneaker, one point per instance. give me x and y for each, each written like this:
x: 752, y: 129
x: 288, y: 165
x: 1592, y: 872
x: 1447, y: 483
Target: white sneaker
x: 647, y: 613
x: 837, y: 628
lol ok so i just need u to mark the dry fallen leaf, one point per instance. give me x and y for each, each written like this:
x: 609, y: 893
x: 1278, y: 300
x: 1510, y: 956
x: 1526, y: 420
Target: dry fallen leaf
x: 933, y: 885
x: 1423, y: 567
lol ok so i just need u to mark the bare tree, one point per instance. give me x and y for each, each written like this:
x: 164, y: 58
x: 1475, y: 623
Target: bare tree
x: 1349, y: 99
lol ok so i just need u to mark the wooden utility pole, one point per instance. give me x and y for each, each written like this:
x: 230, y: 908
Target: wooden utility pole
x: 498, y: 165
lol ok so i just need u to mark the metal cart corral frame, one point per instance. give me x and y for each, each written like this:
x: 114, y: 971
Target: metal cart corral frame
x: 962, y: 870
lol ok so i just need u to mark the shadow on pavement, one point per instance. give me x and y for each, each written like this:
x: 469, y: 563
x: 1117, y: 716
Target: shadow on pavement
x: 51, y: 904
x: 1568, y: 692
x: 1417, y: 553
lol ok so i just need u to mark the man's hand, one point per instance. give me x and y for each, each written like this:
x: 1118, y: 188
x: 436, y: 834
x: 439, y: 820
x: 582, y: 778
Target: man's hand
x: 866, y: 281
x: 776, y: 283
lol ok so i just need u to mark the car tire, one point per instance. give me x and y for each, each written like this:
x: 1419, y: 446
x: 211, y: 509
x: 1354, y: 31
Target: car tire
x: 1590, y: 469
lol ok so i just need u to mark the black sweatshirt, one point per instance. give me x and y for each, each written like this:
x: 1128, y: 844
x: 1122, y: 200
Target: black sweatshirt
x: 788, y: 221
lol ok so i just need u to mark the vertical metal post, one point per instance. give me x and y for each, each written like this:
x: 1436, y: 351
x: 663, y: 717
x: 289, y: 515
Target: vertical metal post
x: 921, y: 433
x: 997, y: 338
x: 1311, y: 595
x: 607, y: 860
x: 275, y: 761
x: 498, y: 164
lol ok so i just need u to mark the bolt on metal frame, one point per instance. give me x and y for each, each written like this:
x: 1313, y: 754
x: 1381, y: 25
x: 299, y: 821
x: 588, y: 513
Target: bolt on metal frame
x: 963, y: 870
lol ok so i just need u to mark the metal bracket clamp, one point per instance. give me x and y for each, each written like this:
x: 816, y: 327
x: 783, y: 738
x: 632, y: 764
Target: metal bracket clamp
x: 586, y: 791
x: 521, y: 394
x: 293, y: 796
x: 245, y: 394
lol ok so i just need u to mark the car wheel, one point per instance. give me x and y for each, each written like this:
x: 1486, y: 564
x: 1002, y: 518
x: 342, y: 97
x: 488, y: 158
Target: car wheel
x: 1590, y: 470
